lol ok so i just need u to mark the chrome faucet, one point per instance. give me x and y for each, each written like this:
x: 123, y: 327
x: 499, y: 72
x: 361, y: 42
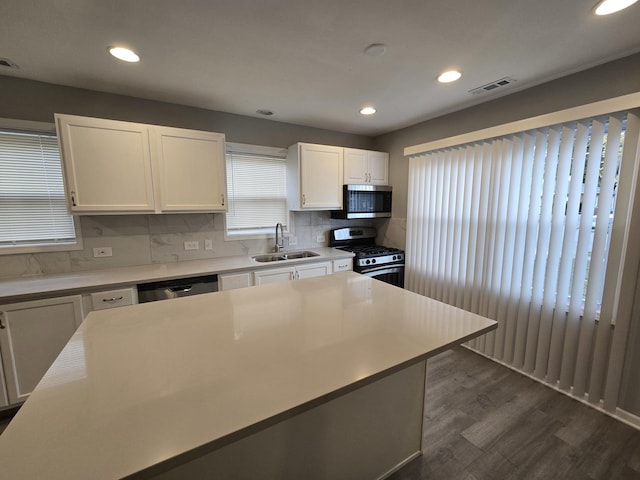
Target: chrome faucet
x: 279, y: 241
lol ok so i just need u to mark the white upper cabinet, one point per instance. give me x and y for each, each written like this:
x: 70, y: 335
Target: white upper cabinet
x: 191, y: 169
x: 366, y: 167
x: 107, y: 165
x: 115, y: 167
x: 314, y: 177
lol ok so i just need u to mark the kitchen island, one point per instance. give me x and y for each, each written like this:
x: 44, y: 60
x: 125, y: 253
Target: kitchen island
x: 319, y: 378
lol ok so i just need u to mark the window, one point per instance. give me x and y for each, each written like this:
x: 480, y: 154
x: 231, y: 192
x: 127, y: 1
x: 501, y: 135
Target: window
x: 256, y: 188
x: 533, y: 228
x: 33, y: 211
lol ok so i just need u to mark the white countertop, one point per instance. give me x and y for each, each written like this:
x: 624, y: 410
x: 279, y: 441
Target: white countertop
x: 72, y: 282
x: 137, y: 386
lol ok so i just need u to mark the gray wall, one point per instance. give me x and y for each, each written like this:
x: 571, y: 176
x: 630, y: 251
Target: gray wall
x: 37, y: 101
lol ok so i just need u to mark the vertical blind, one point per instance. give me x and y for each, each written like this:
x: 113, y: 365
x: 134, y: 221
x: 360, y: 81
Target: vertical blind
x: 256, y: 188
x: 33, y: 208
x: 518, y: 228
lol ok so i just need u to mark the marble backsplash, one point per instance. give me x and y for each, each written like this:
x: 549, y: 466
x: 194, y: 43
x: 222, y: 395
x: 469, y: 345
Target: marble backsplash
x: 147, y: 239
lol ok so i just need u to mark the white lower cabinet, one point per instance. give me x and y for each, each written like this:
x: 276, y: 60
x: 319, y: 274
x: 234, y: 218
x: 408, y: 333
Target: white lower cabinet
x: 4, y: 398
x: 284, y: 274
x: 231, y: 281
x: 273, y: 275
x: 343, y: 265
x: 32, y: 334
x: 310, y: 270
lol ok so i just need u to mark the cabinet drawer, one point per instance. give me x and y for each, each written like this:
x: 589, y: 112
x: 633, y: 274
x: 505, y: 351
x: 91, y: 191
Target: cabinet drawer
x: 114, y: 298
x: 342, y: 265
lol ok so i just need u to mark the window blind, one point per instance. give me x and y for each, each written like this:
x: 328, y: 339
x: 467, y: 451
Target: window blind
x: 518, y: 228
x: 32, y: 202
x: 256, y: 186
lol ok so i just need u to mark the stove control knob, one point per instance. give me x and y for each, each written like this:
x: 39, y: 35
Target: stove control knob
x: 368, y: 262
x: 373, y: 261
x: 394, y: 257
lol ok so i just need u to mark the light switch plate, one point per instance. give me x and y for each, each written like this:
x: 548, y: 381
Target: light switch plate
x: 320, y: 238
x: 293, y: 241
x: 100, y: 252
x: 192, y: 245
x: 208, y: 244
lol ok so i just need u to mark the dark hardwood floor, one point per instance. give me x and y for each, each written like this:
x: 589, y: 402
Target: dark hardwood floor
x: 486, y: 422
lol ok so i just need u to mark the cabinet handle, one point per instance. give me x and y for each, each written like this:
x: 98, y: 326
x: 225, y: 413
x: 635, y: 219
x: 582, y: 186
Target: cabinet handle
x: 2, y: 325
x: 222, y: 198
x: 73, y: 199
x: 112, y: 299
x: 304, y: 199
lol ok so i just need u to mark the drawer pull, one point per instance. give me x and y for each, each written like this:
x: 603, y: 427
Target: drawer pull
x: 112, y: 299
x: 2, y: 325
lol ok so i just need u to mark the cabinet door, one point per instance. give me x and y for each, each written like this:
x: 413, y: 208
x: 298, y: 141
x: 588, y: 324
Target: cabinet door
x: 273, y: 275
x: 378, y: 167
x: 321, y: 172
x: 313, y: 270
x: 4, y: 399
x: 355, y: 166
x: 107, y: 165
x: 32, y: 335
x: 231, y: 281
x: 191, y: 167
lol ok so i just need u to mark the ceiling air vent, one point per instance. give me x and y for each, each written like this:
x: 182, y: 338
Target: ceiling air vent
x: 5, y: 62
x: 489, y: 87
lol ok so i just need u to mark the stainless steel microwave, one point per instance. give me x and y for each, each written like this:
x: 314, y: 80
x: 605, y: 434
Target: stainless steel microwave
x: 364, y: 201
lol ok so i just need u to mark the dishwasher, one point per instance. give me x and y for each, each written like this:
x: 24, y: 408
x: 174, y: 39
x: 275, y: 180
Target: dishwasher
x: 181, y: 287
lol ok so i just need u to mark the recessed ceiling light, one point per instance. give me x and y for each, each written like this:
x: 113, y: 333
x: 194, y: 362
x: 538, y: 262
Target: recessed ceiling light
x: 375, y: 49
x: 368, y: 111
x: 124, y: 54
x: 449, y: 76
x: 606, y: 7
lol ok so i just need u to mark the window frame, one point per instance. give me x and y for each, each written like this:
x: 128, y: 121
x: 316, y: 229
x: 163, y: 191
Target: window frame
x: 43, y: 128
x: 263, y: 232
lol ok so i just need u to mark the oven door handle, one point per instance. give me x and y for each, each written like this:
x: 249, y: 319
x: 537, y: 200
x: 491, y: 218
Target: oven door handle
x: 383, y: 269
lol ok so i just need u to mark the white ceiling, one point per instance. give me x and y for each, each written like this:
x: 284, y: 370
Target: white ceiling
x: 304, y: 59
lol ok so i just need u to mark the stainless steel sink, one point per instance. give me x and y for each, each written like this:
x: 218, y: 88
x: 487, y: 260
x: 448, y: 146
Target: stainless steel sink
x: 277, y: 257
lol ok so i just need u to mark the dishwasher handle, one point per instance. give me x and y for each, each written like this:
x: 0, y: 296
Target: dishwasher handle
x: 181, y: 289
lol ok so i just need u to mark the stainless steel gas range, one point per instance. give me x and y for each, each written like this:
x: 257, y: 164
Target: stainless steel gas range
x: 376, y: 261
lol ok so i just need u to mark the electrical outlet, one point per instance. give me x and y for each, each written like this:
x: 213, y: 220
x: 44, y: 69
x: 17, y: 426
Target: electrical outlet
x: 319, y: 238
x: 99, y: 252
x: 208, y: 244
x: 193, y: 245
x: 293, y: 241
